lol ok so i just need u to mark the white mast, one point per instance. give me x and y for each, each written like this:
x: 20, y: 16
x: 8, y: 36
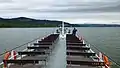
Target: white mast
x: 62, y: 28
x: 62, y: 35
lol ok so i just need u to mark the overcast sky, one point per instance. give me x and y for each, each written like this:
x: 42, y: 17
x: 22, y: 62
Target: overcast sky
x: 72, y: 11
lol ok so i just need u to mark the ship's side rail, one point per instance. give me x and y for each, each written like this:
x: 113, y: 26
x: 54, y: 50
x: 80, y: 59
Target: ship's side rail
x: 37, y: 48
x: 99, y: 54
x: 19, y: 47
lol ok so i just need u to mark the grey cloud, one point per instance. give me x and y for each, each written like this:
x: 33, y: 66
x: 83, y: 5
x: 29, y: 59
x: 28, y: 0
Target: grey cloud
x: 100, y: 9
x: 54, y: 9
x: 77, y: 6
x: 5, y: 1
x: 92, y: 7
x: 78, y: 10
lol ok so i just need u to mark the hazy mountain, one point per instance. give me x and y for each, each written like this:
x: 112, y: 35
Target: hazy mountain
x: 29, y: 22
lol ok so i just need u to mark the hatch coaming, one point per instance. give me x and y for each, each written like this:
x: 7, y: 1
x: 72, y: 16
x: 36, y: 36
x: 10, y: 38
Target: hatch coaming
x: 79, y: 54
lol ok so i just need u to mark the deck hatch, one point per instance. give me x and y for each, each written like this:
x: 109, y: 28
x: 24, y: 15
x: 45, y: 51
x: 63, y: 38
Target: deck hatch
x: 77, y: 48
x: 32, y: 53
x: 22, y: 61
x: 81, y: 53
x: 89, y: 63
x: 47, y: 47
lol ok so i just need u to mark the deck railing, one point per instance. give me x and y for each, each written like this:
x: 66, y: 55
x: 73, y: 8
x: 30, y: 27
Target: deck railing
x: 22, y: 47
x: 114, y: 64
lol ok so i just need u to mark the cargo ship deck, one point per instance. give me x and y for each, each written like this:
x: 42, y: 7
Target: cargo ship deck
x: 57, y: 50
x: 48, y: 53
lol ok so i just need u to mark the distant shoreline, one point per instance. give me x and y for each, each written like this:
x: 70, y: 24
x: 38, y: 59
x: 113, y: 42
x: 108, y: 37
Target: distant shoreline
x: 23, y: 22
x: 43, y: 27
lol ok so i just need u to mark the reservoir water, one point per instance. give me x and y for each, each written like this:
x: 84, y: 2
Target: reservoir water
x: 106, y: 39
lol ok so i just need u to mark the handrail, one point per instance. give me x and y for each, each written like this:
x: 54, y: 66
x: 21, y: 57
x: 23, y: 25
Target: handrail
x: 104, y: 54
x: 20, y: 46
x: 115, y: 62
x: 34, y: 40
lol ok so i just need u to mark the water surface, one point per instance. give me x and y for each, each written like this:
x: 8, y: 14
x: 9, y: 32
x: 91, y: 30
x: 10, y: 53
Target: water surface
x: 106, y: 39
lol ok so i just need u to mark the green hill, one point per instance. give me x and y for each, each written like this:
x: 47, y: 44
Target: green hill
x: 28, y: 22
x: 23, y: 22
